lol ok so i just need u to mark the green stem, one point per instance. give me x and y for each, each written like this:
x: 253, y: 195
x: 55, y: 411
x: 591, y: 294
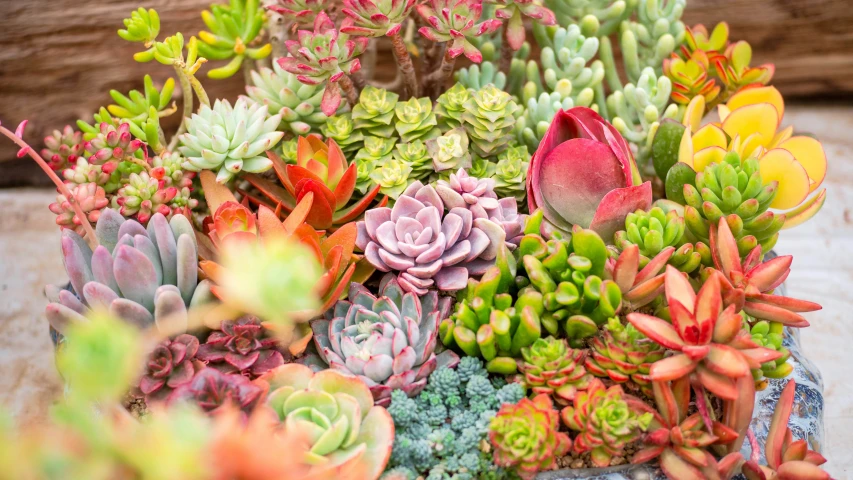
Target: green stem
x: 605, y: 54
x: 407, y: 68
x: 187, y: 101
x: 199, y: 90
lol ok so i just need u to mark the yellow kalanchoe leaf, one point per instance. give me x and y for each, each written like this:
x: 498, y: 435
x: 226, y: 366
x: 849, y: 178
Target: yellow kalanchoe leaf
x: 783, y: 135
x: 758, y: 95
x: 694, y: 112
x: 780, y: 165
x: 805, y: 211
x: 707, y: 156
x: 710, y: 136
x: 685, y: 148
x: 761, y: 119
x: 810, y: 154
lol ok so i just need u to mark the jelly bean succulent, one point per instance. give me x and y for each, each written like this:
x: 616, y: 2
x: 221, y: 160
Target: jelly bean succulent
x: 89, y: 197
x: 301, y: 12
x: 651, y: 231
x: 233, y: 35
x: 770, y: 335
x: 549, y: 366
x: 63, y: 148
x: 388, y: 340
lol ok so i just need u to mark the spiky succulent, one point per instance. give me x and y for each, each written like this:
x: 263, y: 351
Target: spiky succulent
x: 640, y: 286
x: 234, y: 35
x: 230, y: 139
x: 489, y: 120
x: 349, y: 432
x: 551, y: 367
x: 652, y: 231
x: 510, y: 173
x: 375, y: 112
x: 454, y: 21
x: 426, y: 244
x: 416, y: 120
x: 622, y: 353
x: 450, y: 151
x: 240, y: 346
x: 169, y: 366
x: 342, y: 130
x: 450, y: 106
x: 283, y: 94
x: 145, y: 276
x: 91, y: 199
x: 213, y: 391
x: 63, y: 148
x: 142, y: 110
x: 526, y: 436
x: 387, y: 340
x: 733, y: 189
x: 605, y: 422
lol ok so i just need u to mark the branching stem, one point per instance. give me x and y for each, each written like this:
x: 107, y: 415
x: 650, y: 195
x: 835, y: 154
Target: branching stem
x: 702, y: 406
x: 349, y: 90
x: 437, y: 79
x: 407, y: 68
x: 187, y: 100
x: 506, y: 51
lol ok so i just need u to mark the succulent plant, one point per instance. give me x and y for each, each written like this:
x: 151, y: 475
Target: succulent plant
x: 230, y: 139
x: 567, y: 64
x: 239, y: 346
x: 92, y: 200
x: 375, y: 112
x: 415, y: 155
x: 510, y: 173
x: 301, y: 12
x: 214, y: 391
x: 489, y: 120
x: 605, y: 422
x: 526, y: 436
x: 392, y: 177
x: 450, y: 106
x: 168, y: 168
x: 146, y: 277
x: 601, y: 205
x: 388, y: 340
x: 323, y: 169
x: 426, y: 245
x: 601, y: 17
x: 375, y: 18
x: 551, y: 367
x: 112, y: 144
x: 690, y: 78
x: 143, y: 26
x: 416, y: 120
x: 623, y: 354
x: 297, y: 103
x: 536, y: 117
x: 713, y: 347
x: 450, y: 151
x: 639, y: 287
x: 454, y: 21
x: 513, y: 10
x: 749, y: 285
x: 325, y: 55
x: 63, y: 148
x: 234, y: 31
x: 142, y: 110
x: 786, y: 457
x: 349, y: 431
x: 172, y: 364
x: 770, y: 335
x: 480, y: 76
x: 83, y: 172
x: 376, y: 151
x: 477, y: 196
x: 143, y: 196
x: 682, y: 443
x: 651, y: 231
x: 342, y: 130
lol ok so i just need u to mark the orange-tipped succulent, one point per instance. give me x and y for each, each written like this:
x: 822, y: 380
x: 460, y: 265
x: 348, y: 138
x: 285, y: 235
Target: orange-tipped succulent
x: 749, y: 285
x: 690, y: 78
x: 321, y: 169
x: 787, y: 459
x: 712, y: 346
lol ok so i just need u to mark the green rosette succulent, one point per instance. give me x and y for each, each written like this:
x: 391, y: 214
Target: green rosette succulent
x: 480, y: 168
x: 375, y: 112
x: 770, y: 335
x: 347, y: 430
x: 450, y: 151
x: 536, y: 117
x: 450, y: 106
x: 289, y: 149
x: 622, y: 353
x: 392, y: 177
x: 510, y: 173
x: 230, y: 139
x: 342, y: 130
x: 416, y: 120
x: 234, y: 35
x: 652, y: 231
x: 733, y: 189
x: 549, y: 366
x: 376, y: 150
x: 297, y: 103
x: 479, y: 76
x: 489, y: 120
x: 415, y: 155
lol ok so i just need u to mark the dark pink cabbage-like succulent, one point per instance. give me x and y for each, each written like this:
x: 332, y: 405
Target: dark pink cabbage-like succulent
x: 454, y: 21
x: 583, y: 173
x: 240, y: 347
x: 211, y: 389
x: 169, y: 366
x: 426, y: 245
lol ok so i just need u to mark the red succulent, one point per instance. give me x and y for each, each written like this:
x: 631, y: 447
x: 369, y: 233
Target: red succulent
x: 638, y: 287
x: 169, y: 366
x: 211, y: 389
x: 240, y: 347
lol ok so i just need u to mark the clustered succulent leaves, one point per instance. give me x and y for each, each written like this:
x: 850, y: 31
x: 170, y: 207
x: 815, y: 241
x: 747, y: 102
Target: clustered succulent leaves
x: 339, y: 275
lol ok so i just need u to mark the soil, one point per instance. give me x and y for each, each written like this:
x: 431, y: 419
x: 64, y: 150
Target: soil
x: 575, y: 461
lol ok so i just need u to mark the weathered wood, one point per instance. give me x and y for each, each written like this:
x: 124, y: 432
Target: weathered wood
x: 59, y: 59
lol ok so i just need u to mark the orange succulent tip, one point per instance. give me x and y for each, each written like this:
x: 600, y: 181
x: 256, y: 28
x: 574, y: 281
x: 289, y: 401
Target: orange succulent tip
x: 325, y: 160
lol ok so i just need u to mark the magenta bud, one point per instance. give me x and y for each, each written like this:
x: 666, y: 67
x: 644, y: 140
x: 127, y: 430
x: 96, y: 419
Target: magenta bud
x: 109, y: 167
x: 23, y: 152
x: 134, y: 145
x: 118, y: 152
x: 112, y: 138
x: 19, y: 132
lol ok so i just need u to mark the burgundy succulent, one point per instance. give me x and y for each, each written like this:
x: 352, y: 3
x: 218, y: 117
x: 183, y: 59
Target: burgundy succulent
x: 210, y: 389
x: 169, y: 366
x: 240, y: 346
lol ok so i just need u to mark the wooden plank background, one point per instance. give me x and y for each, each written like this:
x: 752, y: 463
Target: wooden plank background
x: 60, y: 58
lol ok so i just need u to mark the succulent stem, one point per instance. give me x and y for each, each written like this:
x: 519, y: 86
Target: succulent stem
x: 436, y: 80
x: 702, y: 405
x: 187, y: 100
x: 349, y: 90
x: 506, y: 51
x: 755, y: 450
x: 407, y: 68
x: 278, y: 34
x: 91, y: 238
x: 199, y: 90
x: 358, y: 80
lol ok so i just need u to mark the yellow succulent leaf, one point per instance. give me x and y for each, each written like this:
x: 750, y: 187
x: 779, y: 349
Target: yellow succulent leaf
x: 782, y: 135
x: 710, y: 136
x: 761, y: 120
x: 694, y: 112
x: 810, y: 154
x: 757, y: 95
x: 780, y: 165
x: 805, y: 211
x: 685, y: 148
x: 707, y: 156
x: 723, y: 112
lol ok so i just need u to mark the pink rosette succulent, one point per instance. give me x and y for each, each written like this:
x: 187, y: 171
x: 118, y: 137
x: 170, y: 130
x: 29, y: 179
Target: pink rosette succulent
x: 583, y: 173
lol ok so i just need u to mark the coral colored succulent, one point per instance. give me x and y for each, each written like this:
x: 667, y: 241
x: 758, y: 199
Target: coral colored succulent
x: 212, y: 391
x: 92, y: 200
x: 583, y: 173
x: 63, y: 148
x: 639, y: 287
x: 690, y: 78
x: 605, y: 421
x: 172, y: 364
x: 713, y: 347
x: 375, y: 18
x: 240, y: 346
x: 347, y: 430
x: 321, y: 169
x: 387, y: 340
x: 786, y: 458
x: 526, y: 436
x: 748, y: 285
x: 427, y: 245
x: 551, y: 367
x: 623, y: 354
x: 682, y: 443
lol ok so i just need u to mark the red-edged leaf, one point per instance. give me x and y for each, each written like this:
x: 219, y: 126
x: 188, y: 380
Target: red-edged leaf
x: 616, y: 205
x: 801, y: 471
x: 724, y: 248
x: 720, y: 385
x: 299, y: 214
x: 729, y: 323
x: 344, y: 189
x: 757, y: 356
x: 320, y: 215
x: 646, y: 454
x: 656, y: 329
x: 753, y: 471
x: 708, y: 307
x: 675, y: 467
x: 815, y: 458
x: 625, y: 270
x: 788, y: 303
x: 344, y: 237
x: 779, y: 425
x: 655, y: 265
x: 280, y: 167
x: 269, y: 225
x: 342, y: 285
x: 726, y: 361
x: 671, y: 368
x: 332, y: 264
x: 214, y: 192
x: 645, y: 292
x: 770, y: 274
x: 666, y: 403
x: 695, y: 456
x: 275, y: 193
x: 678, y: 288
x: 773, y: 313
x: 337, y: 165
x: 684, y: 323
x: 355, y: 210
x: 795, y: 451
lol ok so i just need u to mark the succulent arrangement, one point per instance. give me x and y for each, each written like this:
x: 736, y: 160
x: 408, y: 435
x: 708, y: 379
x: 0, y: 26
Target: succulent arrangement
x: 534, y: 262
